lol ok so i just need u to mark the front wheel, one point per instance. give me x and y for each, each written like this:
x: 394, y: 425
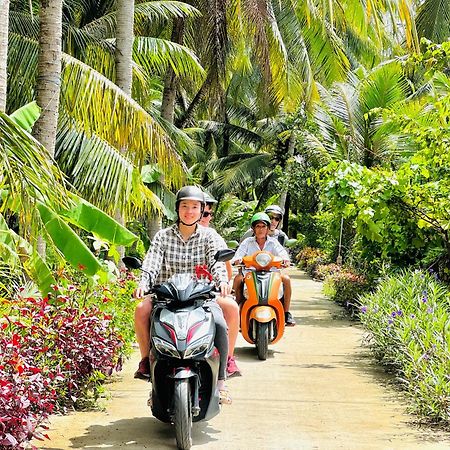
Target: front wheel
x: 262, y: 340
x: 183, y: 414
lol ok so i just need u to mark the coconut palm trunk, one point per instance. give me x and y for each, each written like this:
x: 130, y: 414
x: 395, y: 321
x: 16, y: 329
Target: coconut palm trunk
x: 170, y: 81
x: 124, y: 64
x: 48, y: 79
x: 4, y: 21
x: 124, y: 44
x: 284, y: 200
x: 49, y: 73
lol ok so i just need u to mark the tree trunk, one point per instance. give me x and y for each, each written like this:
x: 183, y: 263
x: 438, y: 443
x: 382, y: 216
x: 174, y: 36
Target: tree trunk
x: 4, y: 22
x: 48, y: 80
x: 170, y: 81
x: 124, y: 44
x: 168, y: 107
x: 49, y: 72
x: 124, y: 66
x: 285, y: 205
x: 187, y: 115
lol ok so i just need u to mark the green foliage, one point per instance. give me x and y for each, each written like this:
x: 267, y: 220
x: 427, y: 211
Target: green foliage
x: 309, y: 258
x: 233, y: 216
x: 396, y: 213
x: 433, y: 58
x: 408, y: 319
x: 344, y: 286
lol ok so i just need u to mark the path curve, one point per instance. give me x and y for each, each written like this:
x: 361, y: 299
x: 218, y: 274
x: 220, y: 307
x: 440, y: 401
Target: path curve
x: 319, y: 389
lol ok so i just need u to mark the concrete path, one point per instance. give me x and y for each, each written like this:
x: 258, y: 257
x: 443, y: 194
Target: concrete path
x: 319, y: 389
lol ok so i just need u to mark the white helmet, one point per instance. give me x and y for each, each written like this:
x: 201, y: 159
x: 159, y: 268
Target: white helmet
x: 274, y: 209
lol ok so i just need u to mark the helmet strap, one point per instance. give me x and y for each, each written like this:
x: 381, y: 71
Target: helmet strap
x: 188, y: 224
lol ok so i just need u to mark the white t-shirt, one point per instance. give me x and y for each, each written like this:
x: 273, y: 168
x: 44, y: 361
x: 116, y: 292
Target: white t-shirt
x: 249, y: 246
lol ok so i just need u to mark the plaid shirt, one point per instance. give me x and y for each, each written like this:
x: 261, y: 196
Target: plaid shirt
x: 170, y: 254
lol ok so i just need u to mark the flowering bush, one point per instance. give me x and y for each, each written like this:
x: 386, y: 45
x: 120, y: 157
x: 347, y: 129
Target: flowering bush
x: 309, y: 258
x: 344, y: 286
x: 408, y: 319
x: 53, y: 354
x: 321, y: 271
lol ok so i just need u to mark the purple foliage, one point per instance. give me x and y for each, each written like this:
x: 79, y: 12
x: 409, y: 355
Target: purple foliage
x: 47, y: 354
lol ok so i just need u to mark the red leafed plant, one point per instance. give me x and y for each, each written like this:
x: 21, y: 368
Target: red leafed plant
x: 27, y: 396
x: 52, y: 355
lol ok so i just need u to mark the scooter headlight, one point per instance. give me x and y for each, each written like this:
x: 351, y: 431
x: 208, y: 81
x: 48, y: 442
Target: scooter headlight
x: 263, y: 259
x: 263, y: 314
x: 165, y: 348
x: 197, y: 347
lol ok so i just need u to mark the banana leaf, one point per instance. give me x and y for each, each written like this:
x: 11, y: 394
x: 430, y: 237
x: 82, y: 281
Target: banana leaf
x: 35, y: 267
x: 67, y: 241
x: 39, y: 272
x: 26, y: 115
x: 90, y: 218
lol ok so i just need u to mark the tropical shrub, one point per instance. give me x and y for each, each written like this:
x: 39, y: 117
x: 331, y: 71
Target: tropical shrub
x: 309, y: 258
x: 27, y: 394
x: 321, y: 271
x: 56, y: 352
x: 344, y: 287
x: 408, y: 320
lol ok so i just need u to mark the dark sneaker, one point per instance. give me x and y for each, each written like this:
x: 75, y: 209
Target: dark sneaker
x: 232, y: 368
x: 289, y: 320
x: 143, y: 372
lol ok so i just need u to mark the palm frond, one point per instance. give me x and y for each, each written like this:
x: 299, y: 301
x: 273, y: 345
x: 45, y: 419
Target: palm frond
x: 100, y: 108
x: 239, y: 133
x: 433, y: 20
x: 26, y: 167
x: 23, y: 24
x: 155, y: 55
x: 240, y: 173
x: 22, y: 77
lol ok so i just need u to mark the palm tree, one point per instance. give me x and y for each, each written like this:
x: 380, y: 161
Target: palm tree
x: 87, y: 97
x: 48, y: 79
x: 124, y: 44
x: 349, y: 118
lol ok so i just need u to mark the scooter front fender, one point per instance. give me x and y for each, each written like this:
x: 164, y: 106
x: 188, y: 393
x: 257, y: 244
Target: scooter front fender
x: 182, y: 373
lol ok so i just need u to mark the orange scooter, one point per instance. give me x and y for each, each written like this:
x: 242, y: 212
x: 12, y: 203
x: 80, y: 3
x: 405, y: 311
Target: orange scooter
x: 262, y: 312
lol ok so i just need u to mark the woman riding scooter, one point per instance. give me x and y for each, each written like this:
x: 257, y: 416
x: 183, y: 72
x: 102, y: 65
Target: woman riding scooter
x: 179, y: 249
x: 261, y: 240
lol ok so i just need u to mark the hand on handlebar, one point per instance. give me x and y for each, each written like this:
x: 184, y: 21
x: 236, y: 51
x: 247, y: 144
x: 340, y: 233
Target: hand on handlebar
x: 139, y: 293
x: 225, y: 289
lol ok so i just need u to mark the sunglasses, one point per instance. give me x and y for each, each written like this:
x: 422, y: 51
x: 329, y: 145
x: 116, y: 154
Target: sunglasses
x: 207, y: 214
x: 277, y: 218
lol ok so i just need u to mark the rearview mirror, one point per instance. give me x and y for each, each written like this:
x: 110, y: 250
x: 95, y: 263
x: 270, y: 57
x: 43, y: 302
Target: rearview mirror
x: 232, y: 244
x: 224, y: 255
x: 291, y: 243
x: 131, y: 262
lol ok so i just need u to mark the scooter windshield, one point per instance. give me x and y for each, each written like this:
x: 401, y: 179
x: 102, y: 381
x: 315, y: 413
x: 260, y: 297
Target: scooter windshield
x: 188, y: 287
x: 181, y: 280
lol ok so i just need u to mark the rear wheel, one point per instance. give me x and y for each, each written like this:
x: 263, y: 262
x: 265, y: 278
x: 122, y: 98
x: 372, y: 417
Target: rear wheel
x: 262, y: 340
x: 183, y: 414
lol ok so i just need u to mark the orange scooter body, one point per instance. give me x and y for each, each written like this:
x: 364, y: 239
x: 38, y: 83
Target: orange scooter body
x: 262, y: 303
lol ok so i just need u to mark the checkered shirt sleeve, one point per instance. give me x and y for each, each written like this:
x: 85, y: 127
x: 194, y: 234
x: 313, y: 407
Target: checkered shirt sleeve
x: 169, y: 254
